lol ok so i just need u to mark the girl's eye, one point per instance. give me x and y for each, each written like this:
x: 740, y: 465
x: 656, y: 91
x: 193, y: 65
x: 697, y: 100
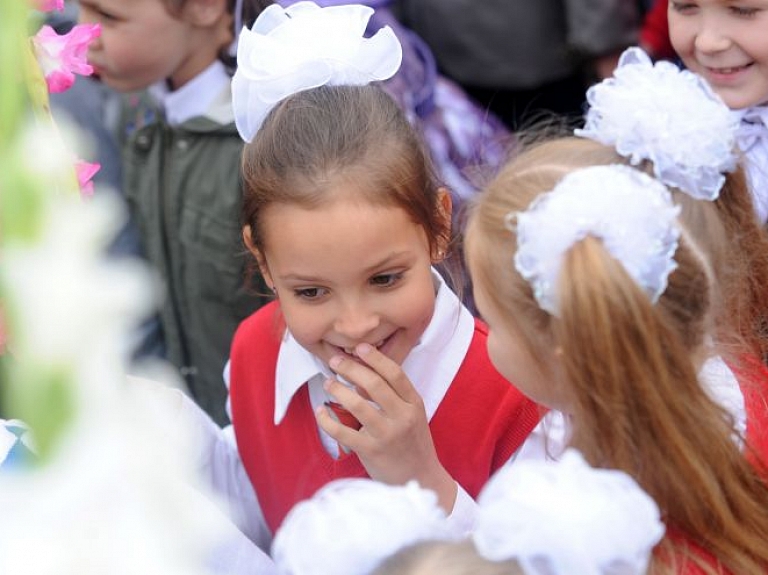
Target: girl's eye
x: 310, y: 294
x: 682, y: 6
x: 743, y: 11
x: 386, y: 280
x: 98, y: 14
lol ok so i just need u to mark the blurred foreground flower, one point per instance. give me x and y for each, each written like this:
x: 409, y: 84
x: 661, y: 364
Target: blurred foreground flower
x: 113, y: 486
x: 49, y: 5
x: 85, y: 172
x: 62, y: 56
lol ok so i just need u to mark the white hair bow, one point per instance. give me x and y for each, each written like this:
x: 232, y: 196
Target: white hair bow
x: 557, y: 518
x: 629, y: 211
x: 304, y: 46
x: 350, y: 525
x: 669, y: 116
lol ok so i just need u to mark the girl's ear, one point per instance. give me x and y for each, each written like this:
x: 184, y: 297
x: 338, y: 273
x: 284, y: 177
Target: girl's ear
x: 445, y: 210
x: 205, y: 13
x: 260, y: 259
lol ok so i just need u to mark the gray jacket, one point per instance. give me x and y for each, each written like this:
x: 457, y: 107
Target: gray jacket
x: 184, y: 188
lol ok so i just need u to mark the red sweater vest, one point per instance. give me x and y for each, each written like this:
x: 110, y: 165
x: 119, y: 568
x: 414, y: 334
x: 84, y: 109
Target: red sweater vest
x: 480, y: 423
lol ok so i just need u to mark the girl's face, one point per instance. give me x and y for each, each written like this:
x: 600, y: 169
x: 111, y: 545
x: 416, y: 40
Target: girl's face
x: 349, y: 272
x: 512, y: 358
x: 726, y: 42
x: 141, y: 43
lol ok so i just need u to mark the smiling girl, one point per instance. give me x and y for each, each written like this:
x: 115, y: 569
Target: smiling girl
x: 726, y: 43
x: 345, y: 221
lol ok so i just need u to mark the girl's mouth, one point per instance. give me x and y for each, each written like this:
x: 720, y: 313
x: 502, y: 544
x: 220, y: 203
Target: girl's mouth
x: 726, y: 72
x: 380, y: 345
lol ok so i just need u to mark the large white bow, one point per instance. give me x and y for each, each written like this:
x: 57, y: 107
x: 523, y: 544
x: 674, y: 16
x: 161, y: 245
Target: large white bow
x: 304, y: 46
x: 629, y: 211
x: 669, y: 116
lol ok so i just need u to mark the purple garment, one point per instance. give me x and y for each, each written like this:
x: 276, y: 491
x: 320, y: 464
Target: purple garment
x: 467, y: 143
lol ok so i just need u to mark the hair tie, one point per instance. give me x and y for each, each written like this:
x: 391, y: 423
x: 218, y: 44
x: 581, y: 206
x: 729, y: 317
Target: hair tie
x: 629, y: 211
x: 669, y: 116
x: 304, y: 46
x: 562, y: 517
x: 350, y: 525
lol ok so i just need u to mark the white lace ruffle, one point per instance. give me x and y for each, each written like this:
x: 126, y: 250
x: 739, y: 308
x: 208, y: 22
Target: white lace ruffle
x: 304, y: 46
x: 630, y: 212
x: 563, y: 517
x: 350, y: 525
x: 669, y: 116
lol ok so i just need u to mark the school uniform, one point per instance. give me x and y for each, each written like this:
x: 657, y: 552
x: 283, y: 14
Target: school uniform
x: 477, y: 418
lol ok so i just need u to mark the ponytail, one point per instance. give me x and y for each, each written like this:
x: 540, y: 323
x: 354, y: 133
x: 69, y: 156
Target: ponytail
x: 639, y: 407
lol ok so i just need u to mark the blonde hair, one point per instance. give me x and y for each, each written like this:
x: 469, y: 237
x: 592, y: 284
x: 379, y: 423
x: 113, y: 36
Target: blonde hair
x: 635, y: 398
x: 444, y: 558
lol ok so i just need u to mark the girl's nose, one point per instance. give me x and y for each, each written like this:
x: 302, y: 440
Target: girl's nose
x: 711, y: 38
x: 355, y: 322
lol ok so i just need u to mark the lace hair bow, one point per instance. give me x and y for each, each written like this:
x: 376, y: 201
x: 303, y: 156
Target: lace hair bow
x: 349, y: 526
x: 629, y: 211
x: 304, y: 46
x: 563, y: 517
x: 669, y: 116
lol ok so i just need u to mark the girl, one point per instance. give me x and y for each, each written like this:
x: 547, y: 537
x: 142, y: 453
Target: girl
x: 698, y: 158
x: 345, y: 222
x: 725, y: 43
x: 181, y: 156
x: 598, y: 303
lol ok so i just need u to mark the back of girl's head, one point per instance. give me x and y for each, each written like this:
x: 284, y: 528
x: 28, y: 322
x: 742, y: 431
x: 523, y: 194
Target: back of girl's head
x: 669, y: 122
x: 243, y: 13
x: 628, y: 363
x: 444, y: 558
x: 492, y: 247
x: 321, y: 143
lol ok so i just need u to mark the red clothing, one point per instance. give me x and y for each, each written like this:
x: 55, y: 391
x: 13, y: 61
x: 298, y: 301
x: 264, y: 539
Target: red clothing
x: 654, y: 33
x: 752, y: 376
x: 479, y: 424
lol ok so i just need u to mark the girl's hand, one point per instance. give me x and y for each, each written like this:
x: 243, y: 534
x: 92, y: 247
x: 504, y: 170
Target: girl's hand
x: 394, y: 443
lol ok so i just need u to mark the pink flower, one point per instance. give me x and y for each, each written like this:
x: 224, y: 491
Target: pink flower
x: 85, y: 171
x: 49, y: 5
x: 62, y: 56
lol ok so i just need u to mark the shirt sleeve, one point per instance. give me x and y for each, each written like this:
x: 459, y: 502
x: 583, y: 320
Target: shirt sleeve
x: 221, y: 469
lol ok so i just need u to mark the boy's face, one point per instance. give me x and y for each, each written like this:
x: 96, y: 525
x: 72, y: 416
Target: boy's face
x: 140, y: 44
x: 726, y: 42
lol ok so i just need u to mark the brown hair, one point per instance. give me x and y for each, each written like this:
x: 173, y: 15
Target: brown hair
x: 250, y: 11
x: 637, y: 404
x: 317, y: 138
x: 443, y: 558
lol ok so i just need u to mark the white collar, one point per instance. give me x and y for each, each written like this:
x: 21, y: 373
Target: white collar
x: 431, y: 365
x: 195, y: 98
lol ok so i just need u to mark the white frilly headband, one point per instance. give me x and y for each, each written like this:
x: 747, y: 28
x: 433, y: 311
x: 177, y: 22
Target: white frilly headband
x: 669, y: 116
x: 304, y: 46
x: 563, y: 517
x: 351, y: 525
x: 629, y: 211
